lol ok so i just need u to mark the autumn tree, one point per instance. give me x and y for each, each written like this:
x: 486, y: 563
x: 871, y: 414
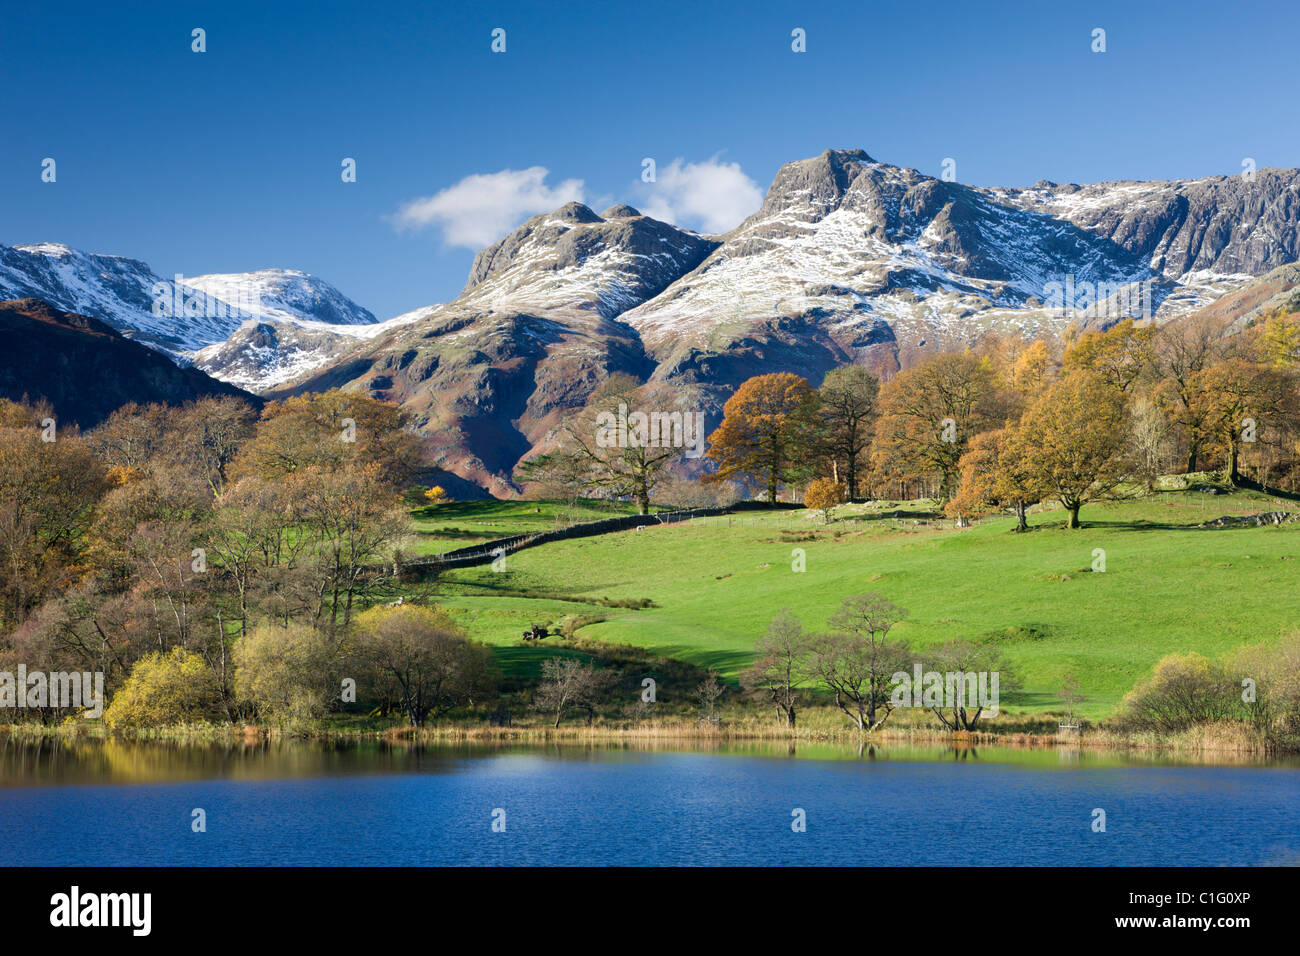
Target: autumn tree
x: 164, y: 689
x: 996, y: 473
x: 429, y: 665
x: 1149, y: 437
x: 356, y: 521
x: 1031, y: 370
x: 619, y: 445
x: 132, y: 436
x: 324, y: 430
x: 286, y: 674
x: 1117, y: 356
x: 207, y: 434
x: 928, y: 414
x: 823, y: 494
x: 1279, y: 338
x: 1234, y: 400
x: 1073, y: 445
x: 763, y: 431
x: 437, y: 495
x: 1183, y: 348
x: 50, y: 483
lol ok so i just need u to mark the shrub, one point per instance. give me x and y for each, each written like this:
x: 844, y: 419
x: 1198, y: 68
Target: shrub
x: 419, y: 659
x: 285, y: 673
x: 1275, y: 675
x: 1183, y: 690
x: 163, y: 689
x: 823, y: 495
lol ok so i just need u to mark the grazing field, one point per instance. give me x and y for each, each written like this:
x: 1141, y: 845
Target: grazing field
x: 459, y: 524
x: 713, y: 585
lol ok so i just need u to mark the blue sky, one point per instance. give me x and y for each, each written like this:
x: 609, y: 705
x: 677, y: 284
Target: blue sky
x: 229, y: 160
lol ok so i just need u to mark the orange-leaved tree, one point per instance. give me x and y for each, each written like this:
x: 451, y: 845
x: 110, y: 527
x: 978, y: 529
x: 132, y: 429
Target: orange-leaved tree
x: 1235, y: 400
x: 763, y: 428
x: 929, y: 412
x: 1118, y: 356
x: 996, y: 473
x: 823, y: 494
x: 1073, y: 443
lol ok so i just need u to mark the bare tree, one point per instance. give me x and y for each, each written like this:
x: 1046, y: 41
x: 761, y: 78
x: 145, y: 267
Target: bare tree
x: 568, y: 684
x: 963, y: 665
x: 781, y: 666
x: 426, y: 664
x: 857, y: 659
x: 1070, y: 695
x: 708, y: 693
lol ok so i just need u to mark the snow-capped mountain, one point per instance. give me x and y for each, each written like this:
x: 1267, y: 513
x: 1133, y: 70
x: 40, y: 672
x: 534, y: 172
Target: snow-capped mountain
x: 285, y: 295
x: 847, y: 260
x: 533, y: 332
x: 175, y: 315
x: 263, y: 354
x: 572, y: 257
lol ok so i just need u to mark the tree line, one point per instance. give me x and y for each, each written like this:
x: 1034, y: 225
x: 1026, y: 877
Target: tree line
x: 1002, y: 425
x: 208, y: 540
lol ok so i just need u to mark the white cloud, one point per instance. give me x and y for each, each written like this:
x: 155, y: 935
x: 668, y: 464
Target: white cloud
x: 712, y: 196
x: 482, y: 208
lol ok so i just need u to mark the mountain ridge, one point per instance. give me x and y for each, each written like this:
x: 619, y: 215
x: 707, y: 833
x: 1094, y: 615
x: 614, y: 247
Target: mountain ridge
x: 846, y: 260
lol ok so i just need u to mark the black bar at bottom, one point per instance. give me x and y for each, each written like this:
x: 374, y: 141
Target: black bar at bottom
x: 340, y: 904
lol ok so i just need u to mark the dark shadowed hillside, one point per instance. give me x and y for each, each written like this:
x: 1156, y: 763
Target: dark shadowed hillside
x: 86, y: 369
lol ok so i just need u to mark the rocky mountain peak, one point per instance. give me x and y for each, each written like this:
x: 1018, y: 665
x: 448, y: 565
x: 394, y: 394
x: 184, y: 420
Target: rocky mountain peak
x: 573, y: 257
x: 620, y: 211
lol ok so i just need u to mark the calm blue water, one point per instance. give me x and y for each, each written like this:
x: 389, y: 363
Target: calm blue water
x: 626, y: 808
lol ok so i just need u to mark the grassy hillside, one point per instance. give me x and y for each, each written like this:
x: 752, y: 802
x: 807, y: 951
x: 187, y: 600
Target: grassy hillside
x: 1168, y: 585
x: 440, y: 528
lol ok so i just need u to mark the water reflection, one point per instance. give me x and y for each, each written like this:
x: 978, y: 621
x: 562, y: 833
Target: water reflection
x: 30, y: 761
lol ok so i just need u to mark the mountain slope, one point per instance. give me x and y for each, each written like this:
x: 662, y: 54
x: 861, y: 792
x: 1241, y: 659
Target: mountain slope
x: 847, y: 260
x: 1223, y: 224
x: 128, y: 296
x: 534, y: 331
x: 264, y: 354
x: 85, y: 368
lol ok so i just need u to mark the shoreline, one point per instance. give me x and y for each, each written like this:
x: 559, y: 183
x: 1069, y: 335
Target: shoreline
x: 1210, y: 741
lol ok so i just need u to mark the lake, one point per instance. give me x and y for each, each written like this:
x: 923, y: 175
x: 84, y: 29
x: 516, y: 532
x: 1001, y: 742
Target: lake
x: 106, y: 803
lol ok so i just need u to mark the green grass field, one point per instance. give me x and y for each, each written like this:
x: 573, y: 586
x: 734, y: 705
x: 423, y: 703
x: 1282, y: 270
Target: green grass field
x: 1168, y: 585
x: 459, y: 524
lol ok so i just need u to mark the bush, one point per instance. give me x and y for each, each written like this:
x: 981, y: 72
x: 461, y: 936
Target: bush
x: 422, y: 662
x: 285, y: 673
x: 1183, y: 691
x: 1275, y: 673
x: 164, y: 689
x: 823, y: 495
